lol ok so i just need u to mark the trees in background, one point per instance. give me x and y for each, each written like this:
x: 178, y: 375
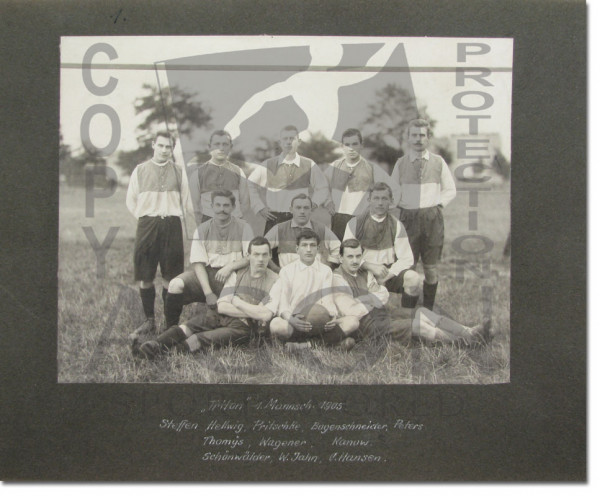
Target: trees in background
x: 179, y: 109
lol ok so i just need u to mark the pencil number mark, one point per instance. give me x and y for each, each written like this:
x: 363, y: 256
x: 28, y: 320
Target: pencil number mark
x: 116, y: 17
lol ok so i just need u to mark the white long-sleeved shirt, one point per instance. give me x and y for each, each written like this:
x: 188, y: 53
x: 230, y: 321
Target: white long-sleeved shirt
x: 302, y: 285
x: 435, y: 186
x: 279, y: 200
x: 158, y: 190
x: 400, y: 256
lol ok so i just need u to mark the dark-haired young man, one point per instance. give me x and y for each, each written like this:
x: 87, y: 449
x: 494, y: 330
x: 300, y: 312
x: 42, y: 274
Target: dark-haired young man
x: 158, y: 196
x: 218, y: 248
x: 283, y: 235
x: 387, y: 251
x: 426, y: 187
x: 245, y: 308
x: 303, y: 284
x: 279, y: 179
x: 350, y: 178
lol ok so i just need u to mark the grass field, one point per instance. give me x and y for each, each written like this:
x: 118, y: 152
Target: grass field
x: 97, y: 313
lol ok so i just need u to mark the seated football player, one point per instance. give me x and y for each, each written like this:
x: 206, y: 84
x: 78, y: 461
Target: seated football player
x: 218, y: 249
x: 387, y: 252
x: 360, y: 300
x: 245, y: 307
x: 283, y: 235
x: 306, y: 310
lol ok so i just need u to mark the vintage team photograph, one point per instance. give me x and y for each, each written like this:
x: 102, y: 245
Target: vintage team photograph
x: 284, y: 210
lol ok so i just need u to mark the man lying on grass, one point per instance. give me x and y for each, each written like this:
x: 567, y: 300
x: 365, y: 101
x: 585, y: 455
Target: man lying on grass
x: 360, y: 300
x: 244, y: 307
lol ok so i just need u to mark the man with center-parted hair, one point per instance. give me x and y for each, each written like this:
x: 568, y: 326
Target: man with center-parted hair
x: 218, y: 248
x: 158, y: 196
x: 283, y: 235
x: 350, y: 178
x: 245, y: 307
x: 387, y: 251
x: 279, y: 179
x: 219, y: 174
x: 361, y: 302
x: 303, y: 285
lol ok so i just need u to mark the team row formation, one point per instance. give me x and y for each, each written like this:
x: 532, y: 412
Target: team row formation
x: 356, y: 194
x: 305, y: 305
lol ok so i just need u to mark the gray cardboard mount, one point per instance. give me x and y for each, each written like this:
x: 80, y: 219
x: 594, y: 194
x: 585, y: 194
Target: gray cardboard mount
x: 532, y: 429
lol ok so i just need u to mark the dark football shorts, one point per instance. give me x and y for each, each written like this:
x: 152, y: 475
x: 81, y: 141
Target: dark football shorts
x: 425, y: 229
x: 158, y: 242
x: 192, y: 290
x: 396, y: 283
x: 339, y: 223
x: 378, y: 323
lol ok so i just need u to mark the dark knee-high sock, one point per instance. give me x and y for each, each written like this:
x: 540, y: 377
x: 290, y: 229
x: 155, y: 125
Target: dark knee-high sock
x: 171, y: 337
x: 173, y: 308
x: 429, y: 291
x: 147, y: 295
x: 409, y: 301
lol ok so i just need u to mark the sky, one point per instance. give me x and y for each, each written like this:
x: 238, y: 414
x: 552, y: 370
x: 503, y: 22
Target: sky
x: 432, y: 63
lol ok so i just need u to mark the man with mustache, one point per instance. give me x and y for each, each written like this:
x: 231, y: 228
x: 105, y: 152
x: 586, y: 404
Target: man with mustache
x: 426, y: 187
x: 361, y: 302
x: 218, y: 248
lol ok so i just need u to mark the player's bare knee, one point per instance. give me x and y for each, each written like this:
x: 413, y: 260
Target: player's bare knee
x: 349, y: 324
x: 412, y: 282
x: 279, y: 328
x: 146, y: 284
x: 176, y: 286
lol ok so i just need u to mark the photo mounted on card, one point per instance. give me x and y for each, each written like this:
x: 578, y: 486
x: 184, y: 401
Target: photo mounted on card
x: 352, y: 249
x: 285, y: 210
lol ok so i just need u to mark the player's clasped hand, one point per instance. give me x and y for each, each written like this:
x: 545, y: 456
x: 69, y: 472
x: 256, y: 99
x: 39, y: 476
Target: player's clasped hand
x: 222, y: 274
x: 266, y: 214
x: 211, y: 301
x: 380, y: 272
x: 331, y: 324
x: 297, y: 322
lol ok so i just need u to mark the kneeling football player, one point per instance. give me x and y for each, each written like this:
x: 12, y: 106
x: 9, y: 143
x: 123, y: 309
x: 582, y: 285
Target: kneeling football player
x: 245, y: 307
x: 307, y: 312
